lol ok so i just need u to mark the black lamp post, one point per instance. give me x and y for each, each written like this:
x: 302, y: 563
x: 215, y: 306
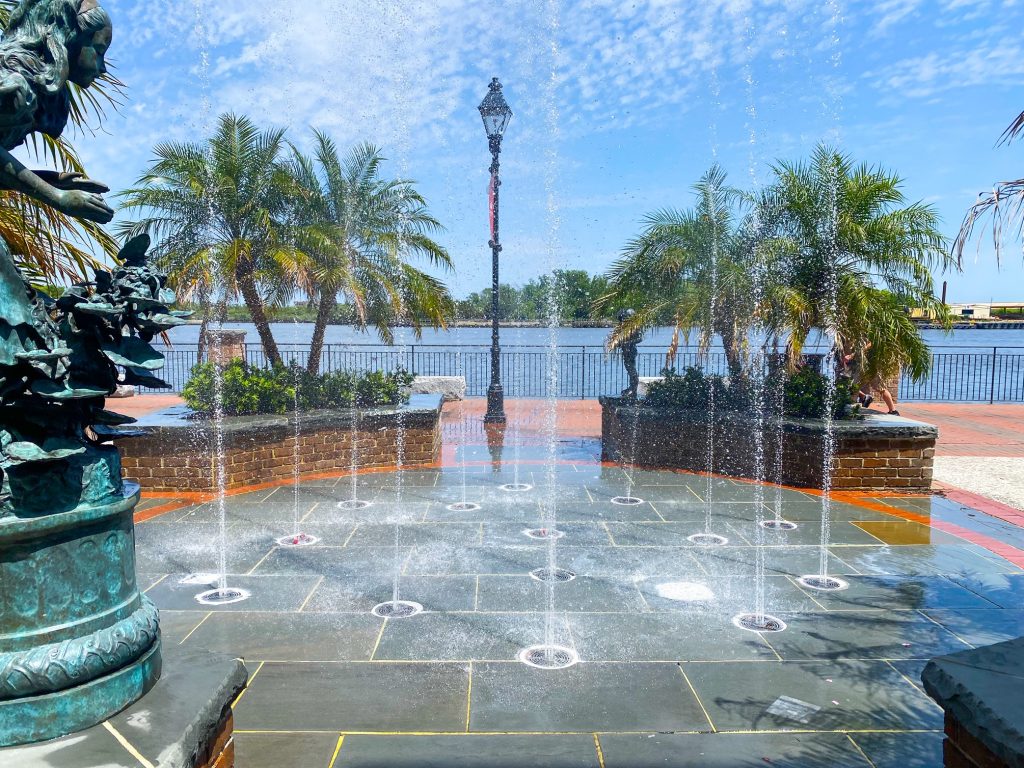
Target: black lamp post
x: 496, y: 114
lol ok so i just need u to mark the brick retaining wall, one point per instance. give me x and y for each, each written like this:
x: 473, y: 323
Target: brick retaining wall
x: 877, y: 453
x: 175, y: 455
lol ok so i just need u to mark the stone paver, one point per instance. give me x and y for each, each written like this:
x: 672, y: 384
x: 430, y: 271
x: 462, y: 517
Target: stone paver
x: 649, y: 613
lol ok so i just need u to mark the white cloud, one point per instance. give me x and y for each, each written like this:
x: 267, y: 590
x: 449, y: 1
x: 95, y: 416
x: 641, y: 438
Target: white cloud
x: 996, y: 62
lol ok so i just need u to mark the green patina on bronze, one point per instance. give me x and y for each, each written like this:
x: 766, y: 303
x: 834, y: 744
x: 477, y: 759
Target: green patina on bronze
x: 78, y: 642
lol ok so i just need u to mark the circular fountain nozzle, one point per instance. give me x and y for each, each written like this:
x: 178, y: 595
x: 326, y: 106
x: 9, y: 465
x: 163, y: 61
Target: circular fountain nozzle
x: 297, y: 540
x: 708, y: 539
x: 778, y: 525
x: 354, y: 504
x: 823, y: 583
x: 758, y: 623
x: 397, y: 609
x: 516, y: 487
x: 627, y: 501
x: 543, y: 533
x: 548, y: 656
x: 223, y: 596
x: 549, y: 575
x: 463, y: 506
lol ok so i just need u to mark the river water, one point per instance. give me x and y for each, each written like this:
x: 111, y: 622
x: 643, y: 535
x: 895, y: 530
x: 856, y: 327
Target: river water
x: 592, y: 338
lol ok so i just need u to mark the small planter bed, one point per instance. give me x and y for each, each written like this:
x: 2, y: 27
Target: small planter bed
x: 176, y: 451
x: 670, y: 428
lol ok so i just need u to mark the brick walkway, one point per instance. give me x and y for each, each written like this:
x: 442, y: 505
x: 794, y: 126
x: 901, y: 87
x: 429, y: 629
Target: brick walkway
x: 972, y: 430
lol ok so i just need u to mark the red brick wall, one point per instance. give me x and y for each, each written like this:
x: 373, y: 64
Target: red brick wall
x: 176, y: 461
x: 860, y: 462
x: 962, y: 750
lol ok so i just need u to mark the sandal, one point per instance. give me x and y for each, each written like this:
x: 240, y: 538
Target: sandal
x: 894, y: 412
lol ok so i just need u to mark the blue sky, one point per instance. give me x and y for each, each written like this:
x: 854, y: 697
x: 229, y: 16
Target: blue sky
x: 619, y: 106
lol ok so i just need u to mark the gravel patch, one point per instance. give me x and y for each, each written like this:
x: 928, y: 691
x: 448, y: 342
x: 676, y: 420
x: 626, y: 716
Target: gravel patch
x: 999, y: 479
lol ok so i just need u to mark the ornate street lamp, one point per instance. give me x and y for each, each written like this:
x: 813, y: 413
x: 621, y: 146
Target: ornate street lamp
x: 496, y: 114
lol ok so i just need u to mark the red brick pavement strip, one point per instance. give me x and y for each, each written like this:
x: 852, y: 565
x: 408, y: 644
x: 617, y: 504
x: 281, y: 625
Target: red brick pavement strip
x: 968, y: 429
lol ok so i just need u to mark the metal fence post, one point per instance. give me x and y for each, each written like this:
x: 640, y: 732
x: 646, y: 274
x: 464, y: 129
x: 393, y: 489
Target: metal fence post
x: 992, y: 384
x: 412, y: 359
x: 583, y: 373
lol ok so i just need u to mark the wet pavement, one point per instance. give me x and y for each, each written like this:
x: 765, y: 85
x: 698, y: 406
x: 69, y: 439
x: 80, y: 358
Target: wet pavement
x: 664, y: 677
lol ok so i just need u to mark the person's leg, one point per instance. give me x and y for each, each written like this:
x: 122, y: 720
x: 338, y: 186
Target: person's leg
x: 890, y: 403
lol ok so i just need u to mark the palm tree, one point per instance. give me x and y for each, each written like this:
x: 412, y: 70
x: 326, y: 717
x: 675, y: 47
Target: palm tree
x: 355, y: 234
x: 216, y: 212
x: 856, y: 255
x: 694, y: 266
x: 1005, y: 204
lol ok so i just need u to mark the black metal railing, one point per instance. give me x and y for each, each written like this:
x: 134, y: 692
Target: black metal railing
x: 995, y: 374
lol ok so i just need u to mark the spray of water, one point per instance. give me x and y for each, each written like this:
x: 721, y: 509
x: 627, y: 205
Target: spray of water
x: 831, y: 240
x: 201, y: 33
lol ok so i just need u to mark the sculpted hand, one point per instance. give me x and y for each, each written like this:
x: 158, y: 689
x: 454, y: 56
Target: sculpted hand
x: 85, y: 205
x: 72, y: 181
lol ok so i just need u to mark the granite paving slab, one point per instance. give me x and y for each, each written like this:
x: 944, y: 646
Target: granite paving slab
x: 898, y: 593
x: 929, y: 560
x: 289, y: 636
x: 268, y: 593
x: 584, y: 593
x: 351, y: 696
x: 816, y: 695
x: 729, y: 750
x: 664, y: 637
x: 981, y: 627
x: 1004, y: 589
x: 901, y: 750
x: 468, y: 751
x: 854, y: 635
x: 466, y: 636
x: 511, y: 697
x: 276, y: 750
x: 360, y: 593
x: 726, y: 595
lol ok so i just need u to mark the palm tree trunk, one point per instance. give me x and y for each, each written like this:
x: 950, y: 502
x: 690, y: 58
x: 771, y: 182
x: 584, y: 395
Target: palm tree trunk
x: 254, y: 303
x: 324, y: 310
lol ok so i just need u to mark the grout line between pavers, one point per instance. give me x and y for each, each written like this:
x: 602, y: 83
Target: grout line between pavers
x: 770, y: 646
x: 259, y: 562
x: 600, y: 752
x: 337, y: 749
x: 248, y: 684
x: 696, y: 697
x: 861, y: 751
x: 380, y: 635
x: 910, y: 682
x: 197, y: 626
x: 944, y: 627
x: 469, y: 695
x: 310, y: 595
x: 155, y: 583
x: 129, y: 748
x: 311, y: 510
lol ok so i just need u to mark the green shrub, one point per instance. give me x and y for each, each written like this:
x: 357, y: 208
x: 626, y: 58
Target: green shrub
x: 249, y: 390
x: 803, y: 393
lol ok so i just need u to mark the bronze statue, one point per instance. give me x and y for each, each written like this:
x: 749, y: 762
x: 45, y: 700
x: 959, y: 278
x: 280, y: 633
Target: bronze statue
x: 58, y: 360
x: 78, y: 641
x: 627, y: 346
